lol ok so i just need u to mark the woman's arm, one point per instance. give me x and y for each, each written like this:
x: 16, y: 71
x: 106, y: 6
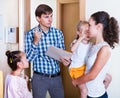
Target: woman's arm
x: 102, y: 58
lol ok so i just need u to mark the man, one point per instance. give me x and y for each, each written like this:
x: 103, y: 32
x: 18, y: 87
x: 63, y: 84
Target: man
x: 46, y: 76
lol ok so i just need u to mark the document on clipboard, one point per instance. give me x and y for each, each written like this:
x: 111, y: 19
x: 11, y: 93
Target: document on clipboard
x: 57, y: 53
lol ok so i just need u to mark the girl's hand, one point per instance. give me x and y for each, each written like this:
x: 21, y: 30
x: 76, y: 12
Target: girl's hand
x: 26, y: 78
x: 81, y: 35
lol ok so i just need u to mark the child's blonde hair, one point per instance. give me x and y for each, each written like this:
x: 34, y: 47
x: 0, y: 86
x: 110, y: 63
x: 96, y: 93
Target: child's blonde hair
x: 80, y: 24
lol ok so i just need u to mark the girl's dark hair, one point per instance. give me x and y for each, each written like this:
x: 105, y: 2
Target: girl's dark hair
x: 110, y: 27
x: 43, y: 9
x: 13, y: 58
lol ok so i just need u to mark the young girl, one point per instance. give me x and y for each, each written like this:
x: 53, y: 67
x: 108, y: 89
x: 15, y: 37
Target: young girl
x: 80, y: 48
x: 15, y: 85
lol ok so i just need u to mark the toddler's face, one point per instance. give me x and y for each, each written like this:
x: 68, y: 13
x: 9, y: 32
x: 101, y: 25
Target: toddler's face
x: 84, y: 30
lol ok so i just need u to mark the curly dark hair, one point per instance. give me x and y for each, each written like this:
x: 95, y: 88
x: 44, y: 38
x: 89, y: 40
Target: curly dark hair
x: 110, y: 27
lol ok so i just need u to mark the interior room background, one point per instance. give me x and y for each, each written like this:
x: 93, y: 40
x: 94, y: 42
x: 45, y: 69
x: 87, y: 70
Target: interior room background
x: 9, y: 10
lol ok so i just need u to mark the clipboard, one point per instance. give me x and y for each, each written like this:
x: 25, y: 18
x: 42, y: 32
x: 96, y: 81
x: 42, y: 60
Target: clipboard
x: 57, y: 53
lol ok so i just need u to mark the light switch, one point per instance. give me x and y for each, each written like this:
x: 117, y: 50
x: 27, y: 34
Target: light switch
x: 11, y: 35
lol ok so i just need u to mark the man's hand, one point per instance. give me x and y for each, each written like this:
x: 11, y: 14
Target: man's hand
x: 65, y: 60
x: 37, y: 36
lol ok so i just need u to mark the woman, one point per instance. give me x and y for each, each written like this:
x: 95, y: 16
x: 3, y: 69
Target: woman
x: 105, y: 32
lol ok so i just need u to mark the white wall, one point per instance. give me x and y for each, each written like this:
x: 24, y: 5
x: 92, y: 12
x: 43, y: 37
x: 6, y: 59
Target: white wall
x: 9, y: 11
x: 111, y: 6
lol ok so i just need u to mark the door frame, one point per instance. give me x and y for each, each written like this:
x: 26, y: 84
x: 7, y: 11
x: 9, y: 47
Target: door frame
x: 81, y: 10
x: 64, y: 70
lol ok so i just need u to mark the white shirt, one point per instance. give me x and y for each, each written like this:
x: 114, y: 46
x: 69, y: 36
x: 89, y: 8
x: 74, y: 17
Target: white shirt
x: 96, y: 87
x: 78, y: 57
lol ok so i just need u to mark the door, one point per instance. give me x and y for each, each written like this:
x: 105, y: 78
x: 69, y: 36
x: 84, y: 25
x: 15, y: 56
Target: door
x: 68, y: 15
